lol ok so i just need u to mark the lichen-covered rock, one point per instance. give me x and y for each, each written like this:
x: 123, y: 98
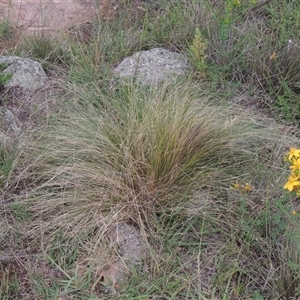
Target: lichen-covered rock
x: 131, y: 250
x: 26, y: 73
x: 7, y: 122
x: 129, y: 242
x: 9, y: 130
x: 5, y: 141
x: 153, y: 66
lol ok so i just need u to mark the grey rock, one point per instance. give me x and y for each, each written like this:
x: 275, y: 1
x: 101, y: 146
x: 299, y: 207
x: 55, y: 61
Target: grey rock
x: 131, y: 248
x: 3, y: 138
x: 7, y: 122
x: 26, y: 73
x: 153, y: 66
x: 6, y: 141
x: 129, y: 242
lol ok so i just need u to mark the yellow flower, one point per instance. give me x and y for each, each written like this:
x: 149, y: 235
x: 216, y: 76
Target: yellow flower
x: 294, y: 212
x: 296, y: 166
x: 244, y: 188
x: 273, y: 55
x: 292, y: 183
x: 236, y: 2
x: 236, y: 186
x: 294, y: 153
x: 248, y: 187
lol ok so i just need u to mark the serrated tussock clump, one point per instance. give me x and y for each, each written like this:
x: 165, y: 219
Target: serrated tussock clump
x: 143, y: 152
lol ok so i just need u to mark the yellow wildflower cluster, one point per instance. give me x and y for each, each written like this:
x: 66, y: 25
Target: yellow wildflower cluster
x: 293, y: 183
x: 244, y: 188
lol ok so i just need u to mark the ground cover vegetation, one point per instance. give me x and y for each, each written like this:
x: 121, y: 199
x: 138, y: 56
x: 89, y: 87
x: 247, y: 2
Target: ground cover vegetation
x: 199, y: 165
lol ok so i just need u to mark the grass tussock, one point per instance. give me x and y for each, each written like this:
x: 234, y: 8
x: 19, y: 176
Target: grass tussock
x: 146, y: 153
x: 162, y: 159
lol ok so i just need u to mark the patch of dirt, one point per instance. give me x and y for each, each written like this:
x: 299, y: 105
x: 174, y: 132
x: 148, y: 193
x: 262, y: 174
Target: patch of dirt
x: 19, y: 270
x: 203, y: 266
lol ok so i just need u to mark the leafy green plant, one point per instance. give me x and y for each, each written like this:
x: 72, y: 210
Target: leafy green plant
x: 283, y: 19
x: 228, y: 41
x: 197, y: 51
x: 4, y: 77
x: 287, y: 105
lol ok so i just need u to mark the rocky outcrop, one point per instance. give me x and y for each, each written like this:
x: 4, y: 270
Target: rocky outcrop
x: 26, y: 73
x: 153, y: 66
